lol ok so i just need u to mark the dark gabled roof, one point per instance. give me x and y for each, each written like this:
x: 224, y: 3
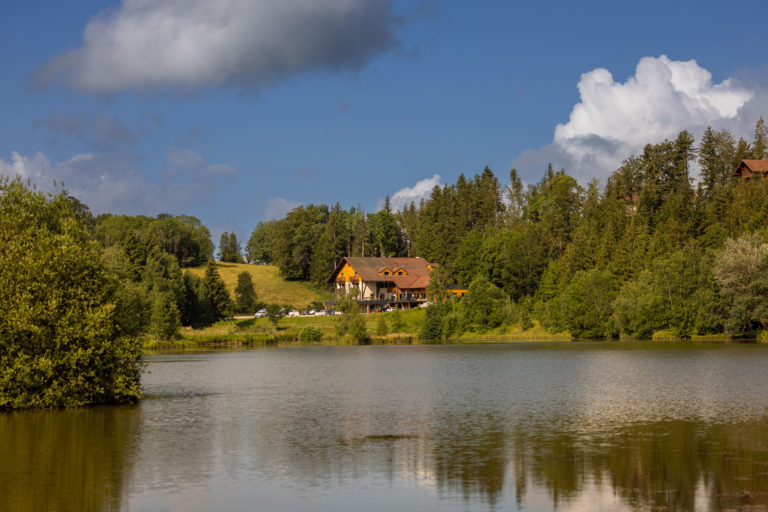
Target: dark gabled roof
x: 754, y: 166
x: 417, y: 272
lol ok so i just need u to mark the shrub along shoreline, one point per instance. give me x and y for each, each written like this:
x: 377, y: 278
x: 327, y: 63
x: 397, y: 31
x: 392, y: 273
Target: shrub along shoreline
x: 306, y: 331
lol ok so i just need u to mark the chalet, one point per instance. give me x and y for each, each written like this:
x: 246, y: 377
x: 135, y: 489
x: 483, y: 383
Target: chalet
x: 383, y: 282
x: 749, y: 169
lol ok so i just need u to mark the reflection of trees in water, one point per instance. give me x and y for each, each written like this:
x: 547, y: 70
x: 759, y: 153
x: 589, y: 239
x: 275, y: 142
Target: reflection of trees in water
x: 658, y: 466
x: 663, y: 464
x: 470, y: 463
x: 66, y: 460
x: 671, y: 465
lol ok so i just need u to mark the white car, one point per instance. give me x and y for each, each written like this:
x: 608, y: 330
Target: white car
x: 293, y: 312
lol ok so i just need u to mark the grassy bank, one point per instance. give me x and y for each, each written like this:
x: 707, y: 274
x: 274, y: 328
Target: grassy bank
x: 270, y: 287
x: 262, y: 332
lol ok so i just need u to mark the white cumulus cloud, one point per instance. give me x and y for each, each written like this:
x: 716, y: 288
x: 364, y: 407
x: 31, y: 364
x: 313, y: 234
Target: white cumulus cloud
x: 614, y: 120
x: 403, y: 197
x: 150, y: 44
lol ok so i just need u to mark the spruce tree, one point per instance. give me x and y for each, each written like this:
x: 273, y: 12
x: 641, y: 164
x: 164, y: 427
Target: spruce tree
x: 245, y: 294
x: 235, y: 251
x: 760, y: 144
x: 218, y: 296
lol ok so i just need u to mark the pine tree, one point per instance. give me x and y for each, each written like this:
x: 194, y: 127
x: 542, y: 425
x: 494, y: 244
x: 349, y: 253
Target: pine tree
x: 245, y: 294
x: 760, y: 144
x: 236, y: 251
x: 218, y: 296
x: 224, y: 247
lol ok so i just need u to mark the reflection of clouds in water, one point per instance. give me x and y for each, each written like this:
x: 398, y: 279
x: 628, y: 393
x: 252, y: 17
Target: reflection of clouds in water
x: 532, y: 427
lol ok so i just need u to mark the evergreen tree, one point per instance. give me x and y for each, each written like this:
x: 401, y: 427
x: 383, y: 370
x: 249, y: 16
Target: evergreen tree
x: 235, y: 249
x: 743, y: 151
x: 760, y: 144
x: 716, y: 159
x: 194, y: 306
x: 245, y: 294
x: 216, y: 290
x: 515, y: 198
x: 162, y: 274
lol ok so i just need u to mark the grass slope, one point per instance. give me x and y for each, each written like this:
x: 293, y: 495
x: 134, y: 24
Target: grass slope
x: 270, y: 287
x: 258, y: 332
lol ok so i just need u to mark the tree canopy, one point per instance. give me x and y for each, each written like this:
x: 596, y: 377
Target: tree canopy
x: 61, y: 342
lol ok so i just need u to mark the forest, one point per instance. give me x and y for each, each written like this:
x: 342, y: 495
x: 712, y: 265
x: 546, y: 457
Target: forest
x: 652, y: 250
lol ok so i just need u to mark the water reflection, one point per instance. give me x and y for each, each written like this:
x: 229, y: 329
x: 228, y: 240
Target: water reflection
x: 67, y: 460
x: 340, y: 428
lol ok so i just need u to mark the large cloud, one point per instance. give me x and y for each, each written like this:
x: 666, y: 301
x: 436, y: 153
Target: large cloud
x: 614, y: 120
x: 111, y: 182
x: 150, y: 44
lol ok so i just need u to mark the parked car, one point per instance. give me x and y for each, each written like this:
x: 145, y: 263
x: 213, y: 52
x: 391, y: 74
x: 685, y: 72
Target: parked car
x: 262, y: 313
x: 389, y: 310
x: 293, y: 312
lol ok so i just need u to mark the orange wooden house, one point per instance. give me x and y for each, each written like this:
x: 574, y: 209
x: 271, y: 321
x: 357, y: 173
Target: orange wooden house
x: 383, y: 282
x: 749, y: 169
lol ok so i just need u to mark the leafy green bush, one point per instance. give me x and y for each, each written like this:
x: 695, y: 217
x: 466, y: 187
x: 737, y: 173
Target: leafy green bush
x: 60, y: 342
x: 310, y: 334
x: 381, y: 326
x: 358, y: 330
x: 432, y: 326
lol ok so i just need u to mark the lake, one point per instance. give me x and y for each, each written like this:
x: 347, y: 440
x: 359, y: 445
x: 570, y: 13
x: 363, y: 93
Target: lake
x: 509, y: 426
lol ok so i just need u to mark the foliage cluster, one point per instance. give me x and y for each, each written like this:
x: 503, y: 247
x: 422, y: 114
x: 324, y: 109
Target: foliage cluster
x: 63, y: 339
x: 229, y: 248
x: 350, y: 322
x: 648, y: 251
x: 183, y: 237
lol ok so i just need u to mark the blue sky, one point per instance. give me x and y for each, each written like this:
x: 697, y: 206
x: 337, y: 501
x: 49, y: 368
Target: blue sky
x: 236, y: 111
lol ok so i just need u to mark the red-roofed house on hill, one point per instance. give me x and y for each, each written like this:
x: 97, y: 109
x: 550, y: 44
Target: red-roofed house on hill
x: 383, y: 282
x: 749, y: 169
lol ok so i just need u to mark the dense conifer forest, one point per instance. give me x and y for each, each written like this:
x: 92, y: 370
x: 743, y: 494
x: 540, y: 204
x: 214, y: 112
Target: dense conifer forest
x: 650, y: 250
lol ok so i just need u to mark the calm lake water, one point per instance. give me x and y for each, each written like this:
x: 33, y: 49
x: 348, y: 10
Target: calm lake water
x: 577, y: 426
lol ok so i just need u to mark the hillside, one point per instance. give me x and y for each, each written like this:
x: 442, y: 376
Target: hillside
x: 270, y: 287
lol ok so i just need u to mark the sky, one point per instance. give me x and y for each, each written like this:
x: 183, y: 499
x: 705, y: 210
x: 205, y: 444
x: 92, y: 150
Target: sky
x: 236, y: 111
